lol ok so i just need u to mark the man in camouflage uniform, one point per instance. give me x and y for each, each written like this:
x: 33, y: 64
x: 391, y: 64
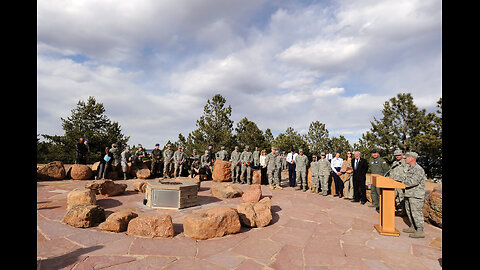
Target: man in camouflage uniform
x: 246, y: 158
x: 278, y: 170
x: 156, y: 159
x: 167, y: 161
x: 222, y: 154
x: 377, y: 166
x: 398, y: 170
x: 116, y: 155
x: 140, y: 154
x: 314, y: 169
x: 235, y: 158
x: 301, y: 170
x: 414, y: 181
x: 324, y: 169
x: 270, y: 164
x: 179, y: 158
x: 126, y: 156
x: 256, y: 157
x: 206, y: 162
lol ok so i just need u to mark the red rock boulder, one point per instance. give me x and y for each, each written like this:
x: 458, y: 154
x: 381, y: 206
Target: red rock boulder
x: 151, y: 226
x: 117, y: 221
x: 432, y: 207
x: 255, y: 214
x: 222, y: 171
x: 81, y: 172
x: 84, y: 215
x: 252, y: 194
x: 80, y: 196
x: 51, y: 171
x: 211, y: 223
x: 225, y: 190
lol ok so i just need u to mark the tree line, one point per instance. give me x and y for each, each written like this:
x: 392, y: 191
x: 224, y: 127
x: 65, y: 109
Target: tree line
x: 402, y: 125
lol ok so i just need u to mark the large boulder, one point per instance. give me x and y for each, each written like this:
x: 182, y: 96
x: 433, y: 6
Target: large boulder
x: 140, y: 186
x: 256, y: 176
x: 211, y: 223
x: 143, y: 173
x: 151, y: 226
x: 432, y: 207
x: 117, y: 221
x: 222, y: 171
x: 81, y: 172
x: 252, y: 194
x: 84, y: 215
x: 225, y: 190
x: 51, y: 171
x: 80, y: 196
x: 255, y: 214
x: 106, y: 187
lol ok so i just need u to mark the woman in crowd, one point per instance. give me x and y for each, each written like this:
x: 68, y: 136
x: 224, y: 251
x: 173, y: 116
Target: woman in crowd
x: 105, y: 163
x: 346, y: 172
x: 263, y: 156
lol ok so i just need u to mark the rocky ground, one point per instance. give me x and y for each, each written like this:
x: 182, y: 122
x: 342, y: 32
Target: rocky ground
x: 308, y: 231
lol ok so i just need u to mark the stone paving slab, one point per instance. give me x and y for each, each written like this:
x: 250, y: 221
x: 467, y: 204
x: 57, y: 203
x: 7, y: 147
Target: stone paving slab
x: 308, y: 231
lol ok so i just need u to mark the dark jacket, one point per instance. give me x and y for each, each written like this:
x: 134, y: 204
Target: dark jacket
x: 359, y: 174
x: 102, y: 161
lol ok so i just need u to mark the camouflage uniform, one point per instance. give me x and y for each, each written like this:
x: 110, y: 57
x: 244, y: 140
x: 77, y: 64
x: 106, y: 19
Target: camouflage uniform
x: 270, y: 162
x: 246, y: 158
x: 116, y: 155
x: 324, y: 169
x: 221, y: 155
x: 256, y: 157
x: 377, y: 166
x: 178, y: 159
x: 315, y: 170
x: 235, y: 158
x: 301, y: 162
x: 278, y: 169
x: 126, y: 157
x: 398, y: 171
x: 206, y: 162
x: 414, y: 181
x: 167, y: 162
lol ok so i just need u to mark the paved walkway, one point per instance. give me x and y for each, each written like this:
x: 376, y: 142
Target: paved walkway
x: 308, y: 231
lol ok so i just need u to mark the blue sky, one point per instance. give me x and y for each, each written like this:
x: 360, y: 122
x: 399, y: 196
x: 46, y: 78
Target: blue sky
x: 154, y: 64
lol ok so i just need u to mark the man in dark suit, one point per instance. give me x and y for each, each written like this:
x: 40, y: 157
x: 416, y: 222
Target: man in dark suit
x: 360, y: 168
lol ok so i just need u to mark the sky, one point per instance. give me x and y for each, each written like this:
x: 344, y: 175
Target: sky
x: 154, y: 64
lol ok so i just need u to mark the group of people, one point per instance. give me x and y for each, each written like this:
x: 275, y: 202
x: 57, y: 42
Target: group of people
x: 349, y: 174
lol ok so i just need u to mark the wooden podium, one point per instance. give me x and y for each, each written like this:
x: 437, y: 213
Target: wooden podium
x: 387, y: 204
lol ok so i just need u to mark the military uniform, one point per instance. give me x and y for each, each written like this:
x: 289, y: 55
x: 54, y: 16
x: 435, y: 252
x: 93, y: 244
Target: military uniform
x: 178, y: 159
x: 221, y: 155
x: 167, y: 162
x: 414, y: 181
x: 301, y: 162
x: 377, y: 166
x: 256, y: 157
x: 315, y: 170
x: 195, y: 166
x: 116, y: 155
x: 246, y: 158
x: 139, y: 156
x: 156, y: 159
x: 398, y: 171
x: 125, y: 158
x: 270, y: 162
x: 206, y: 162
x: 278, y: 170
x: 324, y: 169
x: 235, y: 158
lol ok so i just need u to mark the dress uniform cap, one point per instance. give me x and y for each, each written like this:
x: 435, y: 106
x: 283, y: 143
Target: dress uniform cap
x: 397, y: 152
x: 322, y: 154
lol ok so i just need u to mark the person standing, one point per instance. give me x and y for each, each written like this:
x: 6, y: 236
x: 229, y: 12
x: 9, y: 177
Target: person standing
x: 235, y: 158
x: 222, y: 154
x: 324, y: 169
x: 80, y: 152
x: 301, y: 162
x: 105, y: 163
x: 336, y: 164
x: 377, y: 166
x: 278, y: 170
x: 314, y: 170
x: 360, y: 168
x: 414, y: 181
x: 246, y: 158
x: 346, y: 173
x: 291, y: 167
x: 329, y: 156
x: 156, y: 159
x: 398, y: 170
x: 140, y: 154
x: 270, y: 166
x: 263, y: 167
x: 167, y: 161
x: 126, y: 157
x: 256, y: 158
x: 206, y: 162
x: 178, y: 159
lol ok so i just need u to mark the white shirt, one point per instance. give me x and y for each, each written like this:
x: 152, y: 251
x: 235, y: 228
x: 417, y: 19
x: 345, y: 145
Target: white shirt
x: 336, y: 162
x: 291, y: 157
x: 329, y: 156
x: 262, y: 160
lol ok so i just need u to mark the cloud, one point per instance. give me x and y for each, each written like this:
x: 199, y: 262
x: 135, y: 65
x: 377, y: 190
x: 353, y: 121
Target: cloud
x: 154, y: 64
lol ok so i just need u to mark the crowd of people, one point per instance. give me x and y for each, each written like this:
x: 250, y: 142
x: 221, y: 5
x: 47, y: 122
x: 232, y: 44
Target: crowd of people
x: 348, y: 173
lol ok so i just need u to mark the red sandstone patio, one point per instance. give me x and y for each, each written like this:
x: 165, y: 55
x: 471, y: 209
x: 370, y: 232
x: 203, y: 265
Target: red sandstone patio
x: 308, y: 231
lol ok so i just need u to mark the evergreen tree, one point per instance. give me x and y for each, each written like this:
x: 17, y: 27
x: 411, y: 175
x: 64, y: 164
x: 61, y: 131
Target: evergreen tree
x: 249, y: 134
x: 87, y: 121
x: 317, y: 137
